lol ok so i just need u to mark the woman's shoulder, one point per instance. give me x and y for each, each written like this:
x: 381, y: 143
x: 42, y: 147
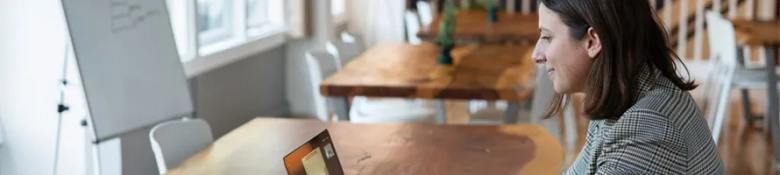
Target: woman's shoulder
x: 662, y: 97
x: 664, y: 104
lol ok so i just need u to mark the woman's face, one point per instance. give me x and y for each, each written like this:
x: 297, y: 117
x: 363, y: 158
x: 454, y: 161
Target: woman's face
x: 567, y: 60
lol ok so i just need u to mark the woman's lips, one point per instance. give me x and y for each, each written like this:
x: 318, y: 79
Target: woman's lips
x: 550, y: 73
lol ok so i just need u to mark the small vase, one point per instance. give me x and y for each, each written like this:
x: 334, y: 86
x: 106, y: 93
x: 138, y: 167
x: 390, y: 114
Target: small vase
x: 492, y: 14
x: 445, y: 57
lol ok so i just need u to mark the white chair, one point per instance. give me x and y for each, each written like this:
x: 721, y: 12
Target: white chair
x: 363, y: 109
x: 392, y: 110
x: 353, y: 38
x: 175, y: 141
x: 426, y: 12
x: 412, y: 27
x: 344, y: 51
x: 726, y: 72
x: 321, y: 65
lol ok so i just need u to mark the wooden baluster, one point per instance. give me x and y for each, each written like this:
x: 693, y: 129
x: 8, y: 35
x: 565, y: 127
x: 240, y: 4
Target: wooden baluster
x: 668, y: 14
x: 748, y: 51
x: 510, y: 6
x: 733, y: 8
x: 716, y: 6
x: 682, y: 35
x: 699, y: 27
x: 526, y: 8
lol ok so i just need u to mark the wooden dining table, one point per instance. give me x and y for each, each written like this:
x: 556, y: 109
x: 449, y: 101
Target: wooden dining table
x: 758, y: 33
x: 402, y: 70
x: 259, y: 147
x: 472, y: 26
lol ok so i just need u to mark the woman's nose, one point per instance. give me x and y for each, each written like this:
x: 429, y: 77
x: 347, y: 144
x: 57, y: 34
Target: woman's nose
x: 538, y: 55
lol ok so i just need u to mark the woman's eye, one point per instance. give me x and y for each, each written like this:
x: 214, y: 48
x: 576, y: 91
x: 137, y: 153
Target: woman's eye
x: 546, y: 38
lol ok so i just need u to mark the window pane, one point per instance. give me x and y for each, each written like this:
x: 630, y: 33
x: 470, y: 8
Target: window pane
x: 256, y: 13
x: 212, y: 14
x: 214, y: 20
x: 337, y: 7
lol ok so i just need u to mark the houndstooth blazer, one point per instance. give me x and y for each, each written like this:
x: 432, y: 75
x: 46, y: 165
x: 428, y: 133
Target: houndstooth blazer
x: 663, y: 133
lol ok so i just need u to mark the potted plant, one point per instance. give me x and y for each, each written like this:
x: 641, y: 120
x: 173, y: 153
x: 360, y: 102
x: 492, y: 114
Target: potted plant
x: 492, y: 8
x: 446, y: 29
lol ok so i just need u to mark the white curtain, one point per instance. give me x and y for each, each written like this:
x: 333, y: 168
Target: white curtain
x: 377, y: 21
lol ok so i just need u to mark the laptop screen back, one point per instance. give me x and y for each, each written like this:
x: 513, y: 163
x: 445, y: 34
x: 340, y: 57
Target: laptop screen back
x: 315, y: 157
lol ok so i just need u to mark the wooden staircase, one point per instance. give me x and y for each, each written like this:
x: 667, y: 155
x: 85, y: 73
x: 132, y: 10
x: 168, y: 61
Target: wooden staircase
x: 689, y: 17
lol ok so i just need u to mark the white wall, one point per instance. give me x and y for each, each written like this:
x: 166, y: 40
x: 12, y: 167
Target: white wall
x: 32, y: 39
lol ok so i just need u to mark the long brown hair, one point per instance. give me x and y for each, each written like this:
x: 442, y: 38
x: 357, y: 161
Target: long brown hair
x: 632, y: 37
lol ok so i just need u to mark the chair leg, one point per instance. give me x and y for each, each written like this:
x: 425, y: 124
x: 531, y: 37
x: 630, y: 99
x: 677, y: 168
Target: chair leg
x: 746, y: 106
x: 706, y: 91
x: 511, y: 112
x: 722, y: 108
x: 441, y: 113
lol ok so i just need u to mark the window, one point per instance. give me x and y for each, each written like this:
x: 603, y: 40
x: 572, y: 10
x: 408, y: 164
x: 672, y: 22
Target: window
x: 256, y: 13
x: 224, y: 28
x: 214, y: 21
x: 262, y: 16
x: 338, y: 8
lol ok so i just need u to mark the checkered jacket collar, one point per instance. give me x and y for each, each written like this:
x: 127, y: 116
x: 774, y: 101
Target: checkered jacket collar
x: 648, y: 79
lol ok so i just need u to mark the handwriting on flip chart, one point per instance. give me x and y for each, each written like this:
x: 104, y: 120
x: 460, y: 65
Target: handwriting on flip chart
x: 127, y: 16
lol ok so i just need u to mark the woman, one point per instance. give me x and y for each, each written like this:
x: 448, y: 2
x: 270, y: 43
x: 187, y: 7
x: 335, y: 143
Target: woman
x: 642, y: 119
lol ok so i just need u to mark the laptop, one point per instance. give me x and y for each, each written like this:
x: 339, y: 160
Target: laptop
x: 315, y: 157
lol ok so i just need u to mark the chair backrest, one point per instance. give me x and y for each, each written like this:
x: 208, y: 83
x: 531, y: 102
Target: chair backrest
x: 332, y: 49
x: 175, y: 141
x: 722, y: 40
x: 412, y: 27
x: 723, y: 50
x: 353, y: 38
x: 344, y: 51
x: 321, y: 65
x: 426, y: 12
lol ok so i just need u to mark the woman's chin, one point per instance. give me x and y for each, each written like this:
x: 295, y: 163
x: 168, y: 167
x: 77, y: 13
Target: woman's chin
x: 560, y: 89
x: 557, y: 89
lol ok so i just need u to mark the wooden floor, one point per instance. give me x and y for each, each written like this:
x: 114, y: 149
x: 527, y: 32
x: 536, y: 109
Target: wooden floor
x: 745, y: 148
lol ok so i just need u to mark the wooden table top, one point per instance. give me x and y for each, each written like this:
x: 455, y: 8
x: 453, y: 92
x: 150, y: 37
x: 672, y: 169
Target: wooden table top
x: 473, y: 26
x: 489, y: 72
x: 259, y: 146
x: 756, y: 33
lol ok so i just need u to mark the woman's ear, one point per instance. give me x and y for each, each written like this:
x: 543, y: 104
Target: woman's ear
x: 592, y: 43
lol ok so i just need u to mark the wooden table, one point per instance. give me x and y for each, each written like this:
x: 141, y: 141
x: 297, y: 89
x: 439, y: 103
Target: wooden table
x: 259, y: 146
x: 766, y: 34
x: 486, y: 72
x: 473, y: 27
